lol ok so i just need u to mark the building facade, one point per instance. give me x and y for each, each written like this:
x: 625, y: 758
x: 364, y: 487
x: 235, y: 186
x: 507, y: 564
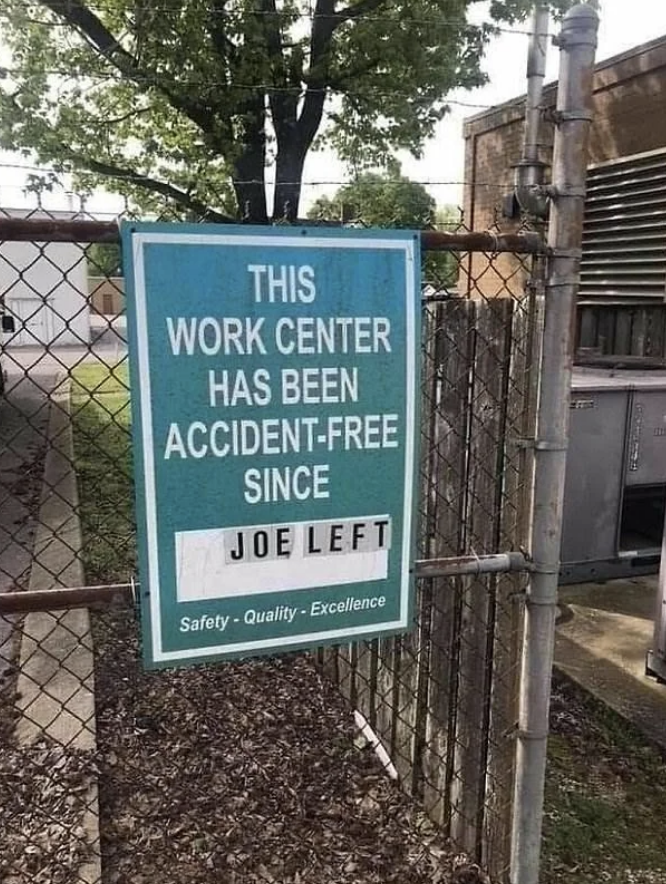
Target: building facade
x: 45, y: 289
x: 623, y: 286
x: 107, y: 295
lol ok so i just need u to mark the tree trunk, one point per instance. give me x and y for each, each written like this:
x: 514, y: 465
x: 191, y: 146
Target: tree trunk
x: 248, y: 180
x: 288, y: 182
x: 294, y: 139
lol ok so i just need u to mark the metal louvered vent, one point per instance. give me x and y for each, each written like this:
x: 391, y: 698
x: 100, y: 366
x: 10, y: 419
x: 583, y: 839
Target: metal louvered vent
x: 624, y: 231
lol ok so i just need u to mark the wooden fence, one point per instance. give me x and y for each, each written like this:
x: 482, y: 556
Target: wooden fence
x: 443, y: 699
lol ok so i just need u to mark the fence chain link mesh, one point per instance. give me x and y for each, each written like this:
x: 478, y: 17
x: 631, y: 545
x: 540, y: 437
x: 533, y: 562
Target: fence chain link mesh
x: 382, y: 761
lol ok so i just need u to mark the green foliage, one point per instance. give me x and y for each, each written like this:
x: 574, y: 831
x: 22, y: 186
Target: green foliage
x: 513, y: 11
x: 391, y: 200
x: 375, y: 200
x: 104, y: 259
x: 187, y: 102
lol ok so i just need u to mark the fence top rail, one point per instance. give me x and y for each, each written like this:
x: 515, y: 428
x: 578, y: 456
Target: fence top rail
x: 528, y: 243
x: 88, y: 231
x: 58, y: 230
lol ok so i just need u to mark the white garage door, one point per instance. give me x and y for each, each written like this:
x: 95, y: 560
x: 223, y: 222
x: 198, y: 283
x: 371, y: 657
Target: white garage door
x: 31, y: 319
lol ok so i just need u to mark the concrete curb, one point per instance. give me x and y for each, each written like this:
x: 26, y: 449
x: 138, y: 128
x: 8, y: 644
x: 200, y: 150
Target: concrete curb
x: 56, y: 678
x: 601, y: 643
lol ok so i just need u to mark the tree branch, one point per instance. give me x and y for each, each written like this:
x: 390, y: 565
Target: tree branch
x: 324, y: 23
x: 79, y: 17
x: 271, y: 25
x: 363, y: 7
x: 167, y: 190
x: 224, y: 47
x: 136, y: 112
x: 283, y: 101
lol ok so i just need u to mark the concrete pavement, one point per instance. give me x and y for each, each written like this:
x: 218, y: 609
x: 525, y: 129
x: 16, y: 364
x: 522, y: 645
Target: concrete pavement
x: 55, y: 686
x: 24, y: 417
x: 603, y: 634
x: 39, y: 550
x: 34, y: 361
x: 24, y: 414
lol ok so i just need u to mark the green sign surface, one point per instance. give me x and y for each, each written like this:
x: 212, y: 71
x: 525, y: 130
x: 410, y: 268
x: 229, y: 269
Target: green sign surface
x: 274, y: 405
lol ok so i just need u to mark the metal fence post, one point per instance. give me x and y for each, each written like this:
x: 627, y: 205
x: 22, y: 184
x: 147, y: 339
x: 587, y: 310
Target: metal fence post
x: 577, y: 43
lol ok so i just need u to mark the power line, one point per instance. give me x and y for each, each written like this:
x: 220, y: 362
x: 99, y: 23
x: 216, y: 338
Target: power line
x: 292, y: 18
x: 335, y: 182
x: 254, y: 87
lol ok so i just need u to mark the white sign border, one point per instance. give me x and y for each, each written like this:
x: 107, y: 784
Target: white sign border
x: 139, y: 240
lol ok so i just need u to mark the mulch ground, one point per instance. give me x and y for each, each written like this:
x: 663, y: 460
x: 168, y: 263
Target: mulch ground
x: 245, y: 772
x: 24, y: 483
x: 44, y: 789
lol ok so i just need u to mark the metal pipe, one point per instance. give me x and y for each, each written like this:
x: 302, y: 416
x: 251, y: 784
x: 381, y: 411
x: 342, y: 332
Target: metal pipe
x: 51, y: 230
x: 518, y: 243
x: 536, y: 74
x: 56, y: 230
x: 63, y: 598
x: 577, y: 44
x: 530, y: 171
x: 458, y: 565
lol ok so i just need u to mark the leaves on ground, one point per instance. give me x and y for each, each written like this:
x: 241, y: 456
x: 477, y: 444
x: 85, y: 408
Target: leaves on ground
x: 247, y: 772
x: 45, y: 792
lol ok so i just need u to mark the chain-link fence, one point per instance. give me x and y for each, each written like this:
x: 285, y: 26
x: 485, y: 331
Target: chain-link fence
x: 385, y: 761
x: 442, y: 700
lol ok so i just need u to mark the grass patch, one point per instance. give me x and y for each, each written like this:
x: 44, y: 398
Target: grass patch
x: 103, y: 460
x: 96, y: 380
x: 605, y: 797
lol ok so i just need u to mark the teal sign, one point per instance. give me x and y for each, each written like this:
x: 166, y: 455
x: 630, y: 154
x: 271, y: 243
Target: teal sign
x: 274, y: 404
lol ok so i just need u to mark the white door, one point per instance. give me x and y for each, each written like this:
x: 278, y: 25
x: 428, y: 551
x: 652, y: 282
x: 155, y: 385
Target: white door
x: 30, y: 315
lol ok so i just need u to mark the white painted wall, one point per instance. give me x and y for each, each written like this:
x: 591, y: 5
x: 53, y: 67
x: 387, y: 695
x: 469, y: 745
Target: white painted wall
x: 45, y: 287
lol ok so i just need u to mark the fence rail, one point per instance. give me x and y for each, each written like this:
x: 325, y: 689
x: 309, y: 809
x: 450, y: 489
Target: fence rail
x: 86, y: 230
x: 85, y: 596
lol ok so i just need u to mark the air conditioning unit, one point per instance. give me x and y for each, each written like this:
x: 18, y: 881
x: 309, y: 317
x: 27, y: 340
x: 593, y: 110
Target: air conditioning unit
x: 615, y: 490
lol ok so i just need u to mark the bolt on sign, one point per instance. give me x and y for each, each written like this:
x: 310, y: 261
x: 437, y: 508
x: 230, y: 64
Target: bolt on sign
x: 274, y: 402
